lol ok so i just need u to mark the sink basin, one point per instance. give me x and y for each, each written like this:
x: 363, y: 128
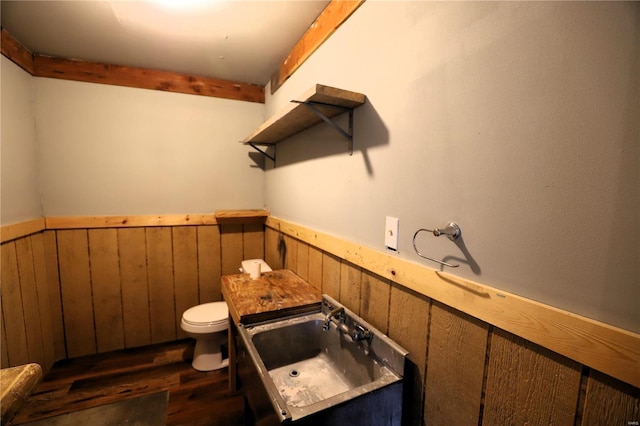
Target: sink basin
x: 297, y: 370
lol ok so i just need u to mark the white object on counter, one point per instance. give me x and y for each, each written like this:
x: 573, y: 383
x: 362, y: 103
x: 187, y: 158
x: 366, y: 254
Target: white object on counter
x: 254, y: 269
x: 246, y: 266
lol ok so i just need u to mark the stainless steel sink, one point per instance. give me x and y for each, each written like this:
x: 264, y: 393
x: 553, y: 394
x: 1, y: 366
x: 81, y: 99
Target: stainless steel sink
x: 326, y: 367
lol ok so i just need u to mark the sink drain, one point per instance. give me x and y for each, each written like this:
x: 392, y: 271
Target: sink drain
x: 294, y: 373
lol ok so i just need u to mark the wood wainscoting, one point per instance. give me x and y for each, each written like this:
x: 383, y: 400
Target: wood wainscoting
x: 95, y: 285
x: 30, y: 301
x: 461, y: 370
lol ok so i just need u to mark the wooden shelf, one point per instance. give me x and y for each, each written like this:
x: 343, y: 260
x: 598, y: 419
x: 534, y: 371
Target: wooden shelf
x: 320, y: 103
x: 241, y: 216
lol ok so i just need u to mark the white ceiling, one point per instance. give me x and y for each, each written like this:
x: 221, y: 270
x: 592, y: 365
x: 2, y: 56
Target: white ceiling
x: 232, y: 40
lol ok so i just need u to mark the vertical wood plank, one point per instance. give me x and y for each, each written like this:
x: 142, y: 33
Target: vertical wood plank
x: 350, y: 281
x: 291, y: 253
x: 408, y: 324
x: 253, y: 241
x: 209, y: 264
x: 55, y: 297
x: 4, y: 354
x: 231, y: 248
x: 30, y: 304
x: 302, y: 262
x: 281, y: 251
x: 408, y: 319
x: 133, y: 281
x: 331, y: 275
x: 105, y: 282
x: 610, y: 402
x: 527, y: 384
x: 44, y: 302
x: 185, y: 268
x: 315, y: 267
x: 271, y: 252
x: 75, y: 287
x: 11, y: 300
x: 374, y: 300
x: 162, y: 310
x: 455, y: 367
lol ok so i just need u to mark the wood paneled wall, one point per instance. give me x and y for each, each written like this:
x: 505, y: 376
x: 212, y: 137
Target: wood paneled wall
x: 71, y: 292
x: 74, y: 292
x: 31, y: 314
x: 462, y: 370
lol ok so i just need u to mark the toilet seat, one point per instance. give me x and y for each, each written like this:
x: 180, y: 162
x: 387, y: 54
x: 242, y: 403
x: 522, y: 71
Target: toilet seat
x: 206, y: 318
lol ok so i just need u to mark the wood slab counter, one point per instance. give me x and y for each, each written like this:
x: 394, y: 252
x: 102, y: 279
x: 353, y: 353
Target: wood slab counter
x: 16, y: 384
x: 274, y: 294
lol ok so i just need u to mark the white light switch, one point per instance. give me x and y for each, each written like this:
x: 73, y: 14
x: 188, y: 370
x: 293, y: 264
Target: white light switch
x: 391, y: 227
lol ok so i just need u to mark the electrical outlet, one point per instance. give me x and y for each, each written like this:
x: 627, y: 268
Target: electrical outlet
x: 392, y: 225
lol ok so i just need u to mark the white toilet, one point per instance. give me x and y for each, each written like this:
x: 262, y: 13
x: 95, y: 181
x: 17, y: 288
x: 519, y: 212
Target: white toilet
x: 208, y: 324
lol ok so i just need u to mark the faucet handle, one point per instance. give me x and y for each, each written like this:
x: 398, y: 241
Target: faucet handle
x: 361, y: 333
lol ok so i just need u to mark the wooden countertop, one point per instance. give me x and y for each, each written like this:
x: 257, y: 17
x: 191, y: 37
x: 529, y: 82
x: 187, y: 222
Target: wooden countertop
x: 16, y: 384
x: 274, y: 294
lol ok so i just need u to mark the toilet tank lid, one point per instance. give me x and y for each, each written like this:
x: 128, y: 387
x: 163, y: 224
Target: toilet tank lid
x: 207, y: 313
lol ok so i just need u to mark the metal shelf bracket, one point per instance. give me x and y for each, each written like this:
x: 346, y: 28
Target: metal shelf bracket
x: 255, y: 145
x: 313, y: 107
x: 348, y: 134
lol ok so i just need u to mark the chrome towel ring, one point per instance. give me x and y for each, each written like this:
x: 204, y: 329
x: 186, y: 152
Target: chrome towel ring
x: 452, y: 231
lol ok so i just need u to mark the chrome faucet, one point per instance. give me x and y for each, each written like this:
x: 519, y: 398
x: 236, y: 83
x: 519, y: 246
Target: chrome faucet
x: 336, y: 312
x: 357, y: 332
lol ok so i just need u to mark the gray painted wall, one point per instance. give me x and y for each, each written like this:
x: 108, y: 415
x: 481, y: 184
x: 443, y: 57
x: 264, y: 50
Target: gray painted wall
x: 107, y: 150
x: 81, y: 149
x: 517, y: 120
x: 18, y: 150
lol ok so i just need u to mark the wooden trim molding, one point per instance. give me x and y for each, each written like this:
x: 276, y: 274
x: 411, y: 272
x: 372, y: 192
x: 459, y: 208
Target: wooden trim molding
x: 21, y: 229
x: 220, y: 216
x: 608, y: 349
x: 16, y: 52
x: 336, y: 12
x: 89, y: 222
x: 241, y: 216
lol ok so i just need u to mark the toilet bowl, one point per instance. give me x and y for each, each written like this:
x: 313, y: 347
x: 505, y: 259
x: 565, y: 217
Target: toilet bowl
x: 208, y: 324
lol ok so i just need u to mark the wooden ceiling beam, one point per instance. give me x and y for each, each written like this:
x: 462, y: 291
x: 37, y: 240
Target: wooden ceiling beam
x: 16, y: 52
x: 336, y: 12
x: 92, y: 72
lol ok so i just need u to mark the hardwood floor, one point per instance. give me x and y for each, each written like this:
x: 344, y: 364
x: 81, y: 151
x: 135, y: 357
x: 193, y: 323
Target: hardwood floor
x: 195, y: 398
